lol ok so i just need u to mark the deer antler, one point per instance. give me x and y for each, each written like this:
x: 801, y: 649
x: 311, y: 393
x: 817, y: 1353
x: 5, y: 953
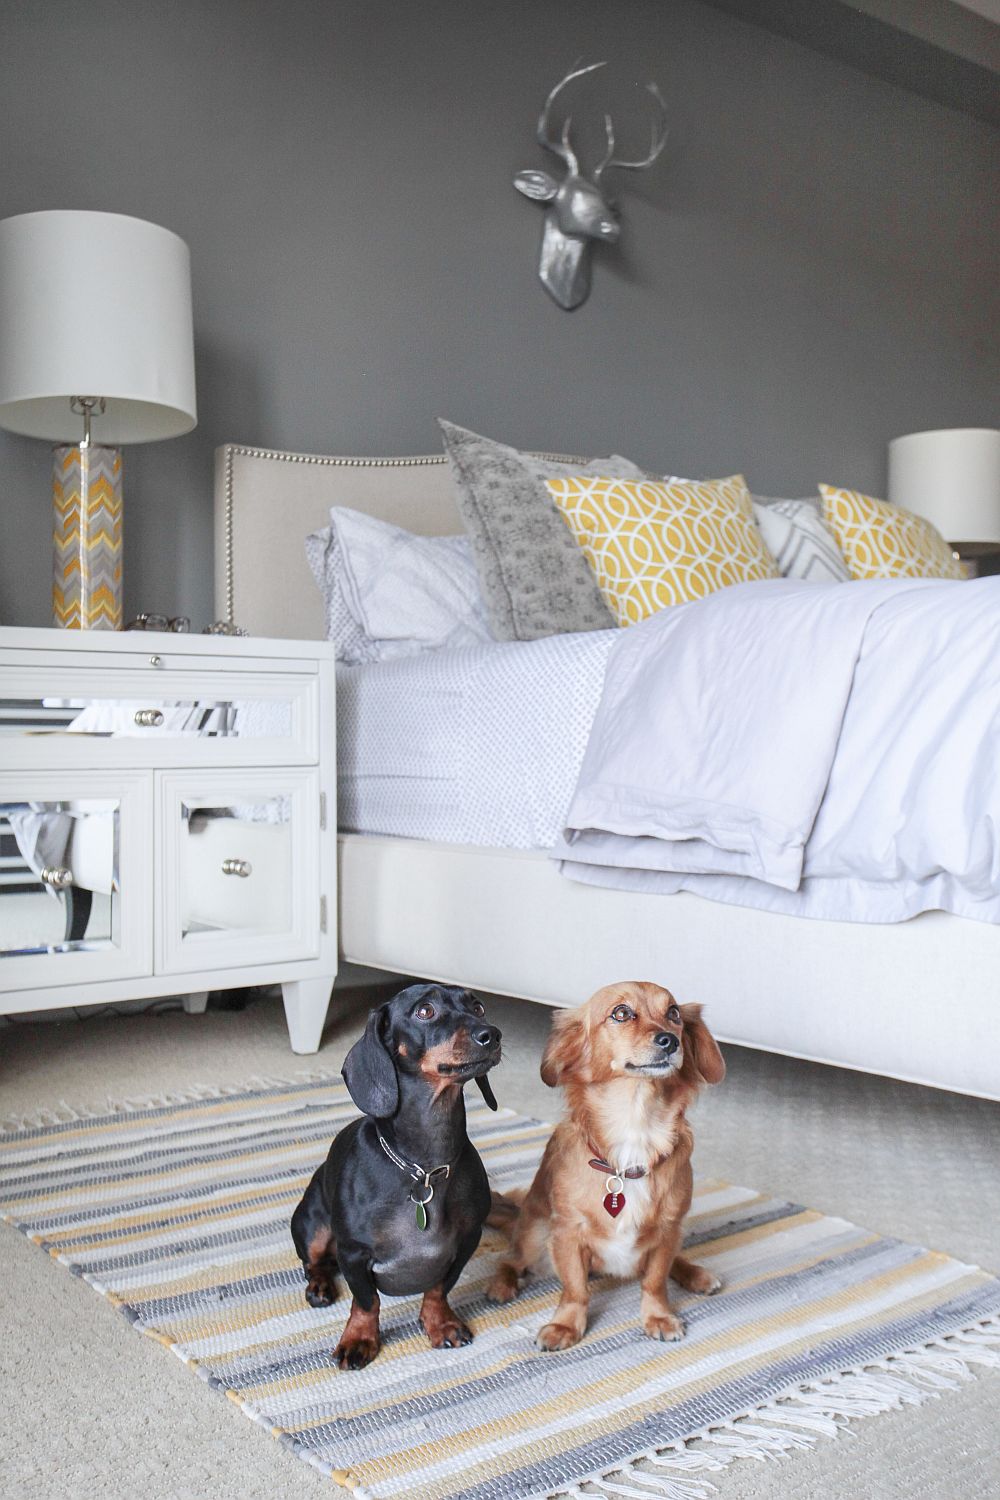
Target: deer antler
x: 659, y: 136
x: 560, y: 144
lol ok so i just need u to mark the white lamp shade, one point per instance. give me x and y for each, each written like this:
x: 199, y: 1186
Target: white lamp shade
x: 95, y: 304
x: 952, y: 479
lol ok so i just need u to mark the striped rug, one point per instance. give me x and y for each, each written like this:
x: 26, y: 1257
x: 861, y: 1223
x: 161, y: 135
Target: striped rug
x: 177, y: 1212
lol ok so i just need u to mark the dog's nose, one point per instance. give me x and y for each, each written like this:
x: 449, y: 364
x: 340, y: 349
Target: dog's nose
x: 487, y: 1036
x: 667, y: 1041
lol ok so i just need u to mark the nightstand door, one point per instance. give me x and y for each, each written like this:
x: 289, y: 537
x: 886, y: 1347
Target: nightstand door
x: 76, y: 877
x: 239, y: 866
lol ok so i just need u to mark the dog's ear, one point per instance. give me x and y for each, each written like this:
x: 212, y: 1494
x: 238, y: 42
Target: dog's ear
x: 567, y: 1052
x: 703, y: 1049
x: 369, y: 1071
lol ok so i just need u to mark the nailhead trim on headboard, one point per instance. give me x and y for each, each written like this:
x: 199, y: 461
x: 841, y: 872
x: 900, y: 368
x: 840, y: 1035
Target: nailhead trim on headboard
x: 234, y: 449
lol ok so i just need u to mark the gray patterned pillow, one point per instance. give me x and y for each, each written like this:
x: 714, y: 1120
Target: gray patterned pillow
x: 800, y: 541
x: 535, y: 578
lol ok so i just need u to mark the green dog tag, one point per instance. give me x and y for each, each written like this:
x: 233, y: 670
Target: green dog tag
x: 421, y: 1216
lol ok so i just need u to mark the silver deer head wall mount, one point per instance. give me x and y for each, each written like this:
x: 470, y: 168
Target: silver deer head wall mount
x: 578, y: 209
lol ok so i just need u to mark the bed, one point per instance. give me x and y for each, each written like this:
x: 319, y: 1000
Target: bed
x: 915, y: 1000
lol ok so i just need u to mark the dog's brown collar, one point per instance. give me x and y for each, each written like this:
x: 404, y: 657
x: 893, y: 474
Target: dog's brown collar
x: 600, y: 1165
x: 614, y: 1195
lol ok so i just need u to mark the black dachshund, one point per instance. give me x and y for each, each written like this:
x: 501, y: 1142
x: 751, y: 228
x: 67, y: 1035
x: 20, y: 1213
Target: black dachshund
x: 400, y: 1202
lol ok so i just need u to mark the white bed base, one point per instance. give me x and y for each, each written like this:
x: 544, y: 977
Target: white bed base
x: 917, y: 1000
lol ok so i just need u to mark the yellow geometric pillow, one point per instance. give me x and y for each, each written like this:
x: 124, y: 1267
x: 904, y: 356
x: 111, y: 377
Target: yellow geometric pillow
x: 652, y: 543
x: 880, y: 540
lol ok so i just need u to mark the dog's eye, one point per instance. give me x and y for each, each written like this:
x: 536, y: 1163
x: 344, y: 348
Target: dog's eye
x: 673, y: 1014
x: 424, y: 1011
x: 623, y: 1013
x: 479, y: 1008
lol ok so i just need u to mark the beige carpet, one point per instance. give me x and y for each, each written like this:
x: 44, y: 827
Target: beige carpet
x: 90, y: 1410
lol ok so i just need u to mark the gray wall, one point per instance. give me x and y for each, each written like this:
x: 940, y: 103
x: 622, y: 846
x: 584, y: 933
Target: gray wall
x: 808, y: 271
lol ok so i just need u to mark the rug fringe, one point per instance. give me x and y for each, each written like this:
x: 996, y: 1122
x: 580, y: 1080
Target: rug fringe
x: 63, y: 1113
x: 796, y: 1420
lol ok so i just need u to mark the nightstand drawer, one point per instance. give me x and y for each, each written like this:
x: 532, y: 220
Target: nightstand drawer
x: 76, y: 877
x: 240, y: 868
x: 153, y: 716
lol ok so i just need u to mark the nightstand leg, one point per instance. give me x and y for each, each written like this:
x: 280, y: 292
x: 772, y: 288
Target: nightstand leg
x: 306, y: 1002
x: 195, y: 1004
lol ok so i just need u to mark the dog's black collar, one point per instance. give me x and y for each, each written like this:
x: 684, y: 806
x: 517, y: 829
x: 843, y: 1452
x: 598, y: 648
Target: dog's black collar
x: 423, y: 1179
x: 416, y: 1171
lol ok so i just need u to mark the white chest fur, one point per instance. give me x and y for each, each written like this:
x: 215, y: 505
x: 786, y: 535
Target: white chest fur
x: 616, y: 1252
x: 640, y: 1133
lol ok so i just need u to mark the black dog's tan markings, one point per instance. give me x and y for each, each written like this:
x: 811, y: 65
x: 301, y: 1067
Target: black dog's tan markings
x: 360, y: 1340
x: 407, y: 1074
x: 321, y: 1268
x: 446, y: 1057
x: 444, y: 1066
x: 444, y: 1329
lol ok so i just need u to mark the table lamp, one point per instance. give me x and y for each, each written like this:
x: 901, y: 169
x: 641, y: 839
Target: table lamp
x: 952, y: 478
x: 96, y: 349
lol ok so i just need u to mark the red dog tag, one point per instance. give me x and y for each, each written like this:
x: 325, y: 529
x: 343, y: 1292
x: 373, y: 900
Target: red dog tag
x: 614, y: 1203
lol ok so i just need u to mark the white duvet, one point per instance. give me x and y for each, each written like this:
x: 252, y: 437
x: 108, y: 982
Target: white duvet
x: 829, y: 751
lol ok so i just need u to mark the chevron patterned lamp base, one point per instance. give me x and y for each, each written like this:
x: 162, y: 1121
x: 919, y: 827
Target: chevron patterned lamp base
x: 87, y: 537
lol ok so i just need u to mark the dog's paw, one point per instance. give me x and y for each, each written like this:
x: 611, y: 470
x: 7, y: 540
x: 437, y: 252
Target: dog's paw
x: 441, y: 1323
x: 450, y: 1335
x: 695, y: 1278
x: 504, y: 1287
x: 355, y: 1353
x: 557, y: 1336
x: 320, y: 1292
x: 666, y: 1327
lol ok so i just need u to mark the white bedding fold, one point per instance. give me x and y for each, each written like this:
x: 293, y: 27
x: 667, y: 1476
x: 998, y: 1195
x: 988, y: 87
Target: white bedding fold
x: 819, y: 749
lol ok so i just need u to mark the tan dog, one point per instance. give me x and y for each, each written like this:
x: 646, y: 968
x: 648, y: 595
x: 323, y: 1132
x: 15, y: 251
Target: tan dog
x: 615, y: 1181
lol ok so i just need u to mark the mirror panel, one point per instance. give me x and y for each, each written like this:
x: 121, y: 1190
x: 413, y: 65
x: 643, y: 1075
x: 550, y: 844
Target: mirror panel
x: 152, y: 717
x: 60, y: 889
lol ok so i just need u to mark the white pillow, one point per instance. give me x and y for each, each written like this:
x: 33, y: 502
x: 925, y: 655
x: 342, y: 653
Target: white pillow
x: 390, y: 593
x: 800, y: 541
x: 324, y: 557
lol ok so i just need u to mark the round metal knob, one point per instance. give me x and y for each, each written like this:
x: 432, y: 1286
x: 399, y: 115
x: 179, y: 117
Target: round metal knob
x: 156, y: 661
x: 148, y: 718
x: 241, y: 867
x: 59, y: 879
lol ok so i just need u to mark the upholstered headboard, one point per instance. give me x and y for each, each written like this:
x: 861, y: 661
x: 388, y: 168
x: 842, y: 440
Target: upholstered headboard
x: 266, y: 503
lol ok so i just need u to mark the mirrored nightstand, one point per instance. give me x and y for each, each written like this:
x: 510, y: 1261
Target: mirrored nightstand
x: 167, y: 820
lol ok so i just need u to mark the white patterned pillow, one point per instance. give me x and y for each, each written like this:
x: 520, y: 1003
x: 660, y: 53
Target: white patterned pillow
x: 390, y: 593
x: 799, y: 540
x: 324, y: 557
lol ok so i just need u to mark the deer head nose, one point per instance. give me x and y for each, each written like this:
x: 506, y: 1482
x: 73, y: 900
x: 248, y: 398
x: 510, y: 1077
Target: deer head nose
x: 667, y: 1041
